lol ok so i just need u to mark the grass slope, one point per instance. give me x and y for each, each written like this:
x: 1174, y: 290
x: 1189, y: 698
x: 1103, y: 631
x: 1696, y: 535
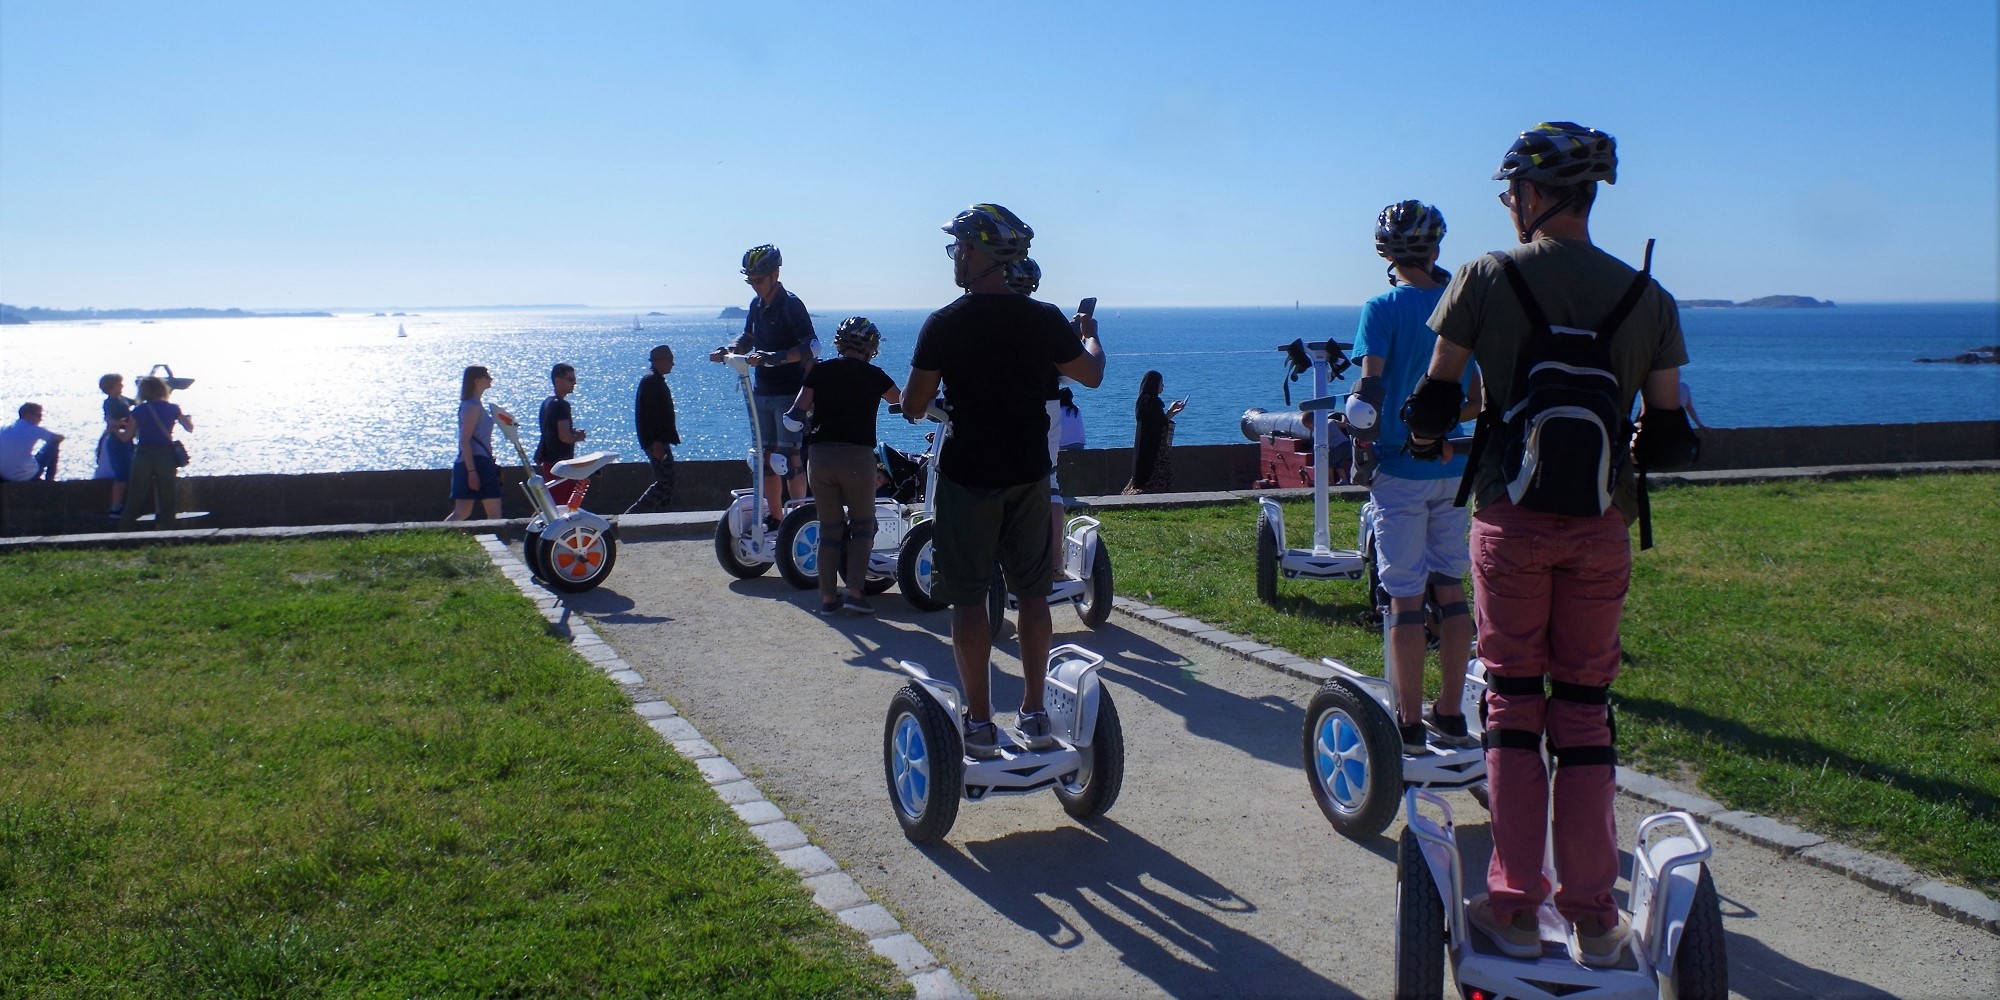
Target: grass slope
x: 1822, y: 652
x: 357, y: 767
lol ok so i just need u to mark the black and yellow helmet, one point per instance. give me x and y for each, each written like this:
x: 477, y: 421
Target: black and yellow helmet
x: 856, y: 333
x: 1024, y: 275
x: 1559, y: 154
x: 998, y: 232
x: 1407, y: 230
x: 761, y: 260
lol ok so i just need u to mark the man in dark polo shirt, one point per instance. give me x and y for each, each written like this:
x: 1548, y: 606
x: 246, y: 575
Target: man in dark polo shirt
x: 779, y: 333
x: 992, y: 350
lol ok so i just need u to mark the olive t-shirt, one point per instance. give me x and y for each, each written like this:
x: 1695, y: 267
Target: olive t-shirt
x: 995, y: 355
x: 847, y: 392
x: 1577, y: 285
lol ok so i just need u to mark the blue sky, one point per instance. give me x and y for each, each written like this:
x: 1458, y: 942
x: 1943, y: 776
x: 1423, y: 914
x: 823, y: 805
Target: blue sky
x: 624, y: 155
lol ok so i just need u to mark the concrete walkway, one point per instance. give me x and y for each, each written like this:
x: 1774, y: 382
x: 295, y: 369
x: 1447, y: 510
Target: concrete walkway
x: 1214, y: 875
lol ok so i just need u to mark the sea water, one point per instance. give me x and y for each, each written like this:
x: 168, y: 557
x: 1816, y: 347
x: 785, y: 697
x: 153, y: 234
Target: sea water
x: 346, y: 393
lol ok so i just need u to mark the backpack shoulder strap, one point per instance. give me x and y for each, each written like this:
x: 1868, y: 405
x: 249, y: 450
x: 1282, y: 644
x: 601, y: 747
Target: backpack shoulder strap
x: 1623, y: 310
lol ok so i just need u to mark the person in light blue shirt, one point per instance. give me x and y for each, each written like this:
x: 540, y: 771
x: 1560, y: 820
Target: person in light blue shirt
x: 1420, y: 534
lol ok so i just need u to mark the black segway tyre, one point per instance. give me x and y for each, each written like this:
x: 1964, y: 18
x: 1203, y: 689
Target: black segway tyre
x: 1701, y: 964
x: 725, y: 553
x: 798, y: 547
x: 924, y: 763
x: 575, y: 559
x: 1094, y: 787
x: 915, y: 568
x: 877, y: 584
x: 1353, y: 759
x: 1267, y: 560
x: 1095, y: 608
x: 531, y: 551
x: 1419, y: 924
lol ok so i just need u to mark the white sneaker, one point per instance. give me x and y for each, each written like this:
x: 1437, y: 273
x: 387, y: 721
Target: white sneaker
x: 982, y: 740
x: 1521, y: 938
x: 1603, y: 948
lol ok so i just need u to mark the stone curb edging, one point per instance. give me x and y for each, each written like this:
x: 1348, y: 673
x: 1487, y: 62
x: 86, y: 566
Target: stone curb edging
x: 1967, y: 906
x: 833, y: 889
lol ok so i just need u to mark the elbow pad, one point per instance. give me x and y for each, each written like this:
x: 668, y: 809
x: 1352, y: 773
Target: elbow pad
x: 1364, y: 408
x: 1666, y: 442
x: 1432, y: 410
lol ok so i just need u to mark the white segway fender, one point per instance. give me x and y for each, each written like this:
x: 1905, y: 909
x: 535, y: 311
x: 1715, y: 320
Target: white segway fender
x: 1276, y: 515
x: 944, y: 694
x: 1669, y: 870
x: 583, y: 466
x: 1072, y: 693
x: 1080, y: 536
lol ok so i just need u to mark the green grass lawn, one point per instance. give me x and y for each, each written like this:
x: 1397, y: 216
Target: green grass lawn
x: 1822, y: 652
x: 358, y: 766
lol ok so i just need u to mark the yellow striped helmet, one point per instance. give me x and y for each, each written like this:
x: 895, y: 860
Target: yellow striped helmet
x: 1407, y: 230
x: 1558, y: 154
x: 1024, y: 275
x: 998, y: 232
x: 857, y: 333
x: 762, y: 260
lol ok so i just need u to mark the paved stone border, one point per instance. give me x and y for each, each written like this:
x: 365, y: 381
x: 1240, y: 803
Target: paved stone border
x: 1967, y: 906
x: 833, y: 889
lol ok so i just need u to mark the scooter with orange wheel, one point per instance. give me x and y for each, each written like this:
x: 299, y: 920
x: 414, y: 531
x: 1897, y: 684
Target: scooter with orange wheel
x: 567, y: 547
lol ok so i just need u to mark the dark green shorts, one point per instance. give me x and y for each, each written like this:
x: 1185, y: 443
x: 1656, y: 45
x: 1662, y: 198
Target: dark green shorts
x: 977, y: 526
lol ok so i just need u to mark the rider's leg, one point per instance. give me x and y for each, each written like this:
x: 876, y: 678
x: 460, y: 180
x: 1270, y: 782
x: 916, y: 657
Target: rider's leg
x: 860, y: 540
x: 971, y: 648
x: 1406, y: 657
x: 1587, y: 600
x: 968, y: 533
x: 1454, y: 646
x: 1511, y: 593
x: 1026, y: 562
x: 1399, y: 562
x: 832, y: 529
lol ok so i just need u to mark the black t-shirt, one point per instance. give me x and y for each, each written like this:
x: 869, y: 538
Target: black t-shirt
x: 846, y: 394
x: 553, y: 448
x: 996, y: 354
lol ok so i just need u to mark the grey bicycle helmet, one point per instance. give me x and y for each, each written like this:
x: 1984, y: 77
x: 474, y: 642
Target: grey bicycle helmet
x: 1408, y: 230
x: 998, y: 232
x: 762, y: 260
x: 856, y: 333
x: 1559, y: 154
x: 1024, y: 275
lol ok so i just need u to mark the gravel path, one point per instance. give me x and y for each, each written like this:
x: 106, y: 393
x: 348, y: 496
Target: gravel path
x: 1213, y: 875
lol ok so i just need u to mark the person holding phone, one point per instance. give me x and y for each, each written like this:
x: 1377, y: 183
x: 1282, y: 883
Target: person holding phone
x: 1153, y: 438
x: 992, y: 350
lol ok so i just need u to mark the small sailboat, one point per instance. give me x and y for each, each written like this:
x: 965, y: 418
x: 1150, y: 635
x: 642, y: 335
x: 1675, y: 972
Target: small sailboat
x: 635, y: 324
x: 400, y: 332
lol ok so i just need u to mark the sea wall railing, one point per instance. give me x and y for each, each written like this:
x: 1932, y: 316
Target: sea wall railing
x: 421, y: 494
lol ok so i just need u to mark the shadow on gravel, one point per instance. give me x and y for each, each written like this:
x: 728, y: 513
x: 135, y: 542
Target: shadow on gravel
x: 1757, y: 972
x: 607, y: 605
x: 1160, y: 913
x: 1268, y: 728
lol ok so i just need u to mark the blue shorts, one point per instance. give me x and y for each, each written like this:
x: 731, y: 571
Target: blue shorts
x: 489, y: 479
x: 1418, y: 533
x: 776, y: 437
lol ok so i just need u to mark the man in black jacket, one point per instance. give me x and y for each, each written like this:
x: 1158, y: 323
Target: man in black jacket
x: 657, y: 433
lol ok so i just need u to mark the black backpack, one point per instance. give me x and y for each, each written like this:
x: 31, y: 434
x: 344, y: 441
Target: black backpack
x: 1565, y: 439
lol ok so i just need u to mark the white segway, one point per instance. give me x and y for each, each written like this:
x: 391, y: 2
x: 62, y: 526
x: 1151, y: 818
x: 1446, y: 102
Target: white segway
x: 1321, y: 561
x: 916, y: 569
x: 743, y: 545
x: 928, y: 771
x: 1677, y: 948
x: 569, y: 548
x: 798, y: 547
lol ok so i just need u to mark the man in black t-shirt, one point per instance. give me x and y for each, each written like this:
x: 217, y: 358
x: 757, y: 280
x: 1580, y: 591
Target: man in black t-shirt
x: 992, y: 350
x: 559, y: 437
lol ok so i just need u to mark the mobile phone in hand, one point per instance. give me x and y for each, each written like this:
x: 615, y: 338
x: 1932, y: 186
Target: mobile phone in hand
x: 1088, y: 306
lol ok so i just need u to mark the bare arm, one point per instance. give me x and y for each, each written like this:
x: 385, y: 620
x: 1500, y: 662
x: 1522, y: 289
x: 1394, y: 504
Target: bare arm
x: 566, y: 434
x: 1662, y: 390
x: 917, y: 394
x: 892, y: 395
x: 1086, y: 369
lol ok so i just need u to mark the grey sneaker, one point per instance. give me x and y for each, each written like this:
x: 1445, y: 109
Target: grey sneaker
x: 1414, y: 744
x: 1036, y: 730
x: 858, y: 606
x: 1520, y: 938
x: 982, y: 740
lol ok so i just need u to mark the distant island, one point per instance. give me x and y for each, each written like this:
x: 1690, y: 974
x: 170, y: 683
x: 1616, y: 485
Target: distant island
x: 1767, y: 302
x: 1988, y: 355
x: 16, y: 315
x: 734, y: 312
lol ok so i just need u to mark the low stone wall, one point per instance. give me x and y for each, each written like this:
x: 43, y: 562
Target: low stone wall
x: 421, y: 494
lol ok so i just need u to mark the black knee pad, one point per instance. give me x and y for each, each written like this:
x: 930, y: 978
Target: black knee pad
x: 1456, y: 609
x: 1400, y: 618
x: 1604, y: 755
x: 861, y: 531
